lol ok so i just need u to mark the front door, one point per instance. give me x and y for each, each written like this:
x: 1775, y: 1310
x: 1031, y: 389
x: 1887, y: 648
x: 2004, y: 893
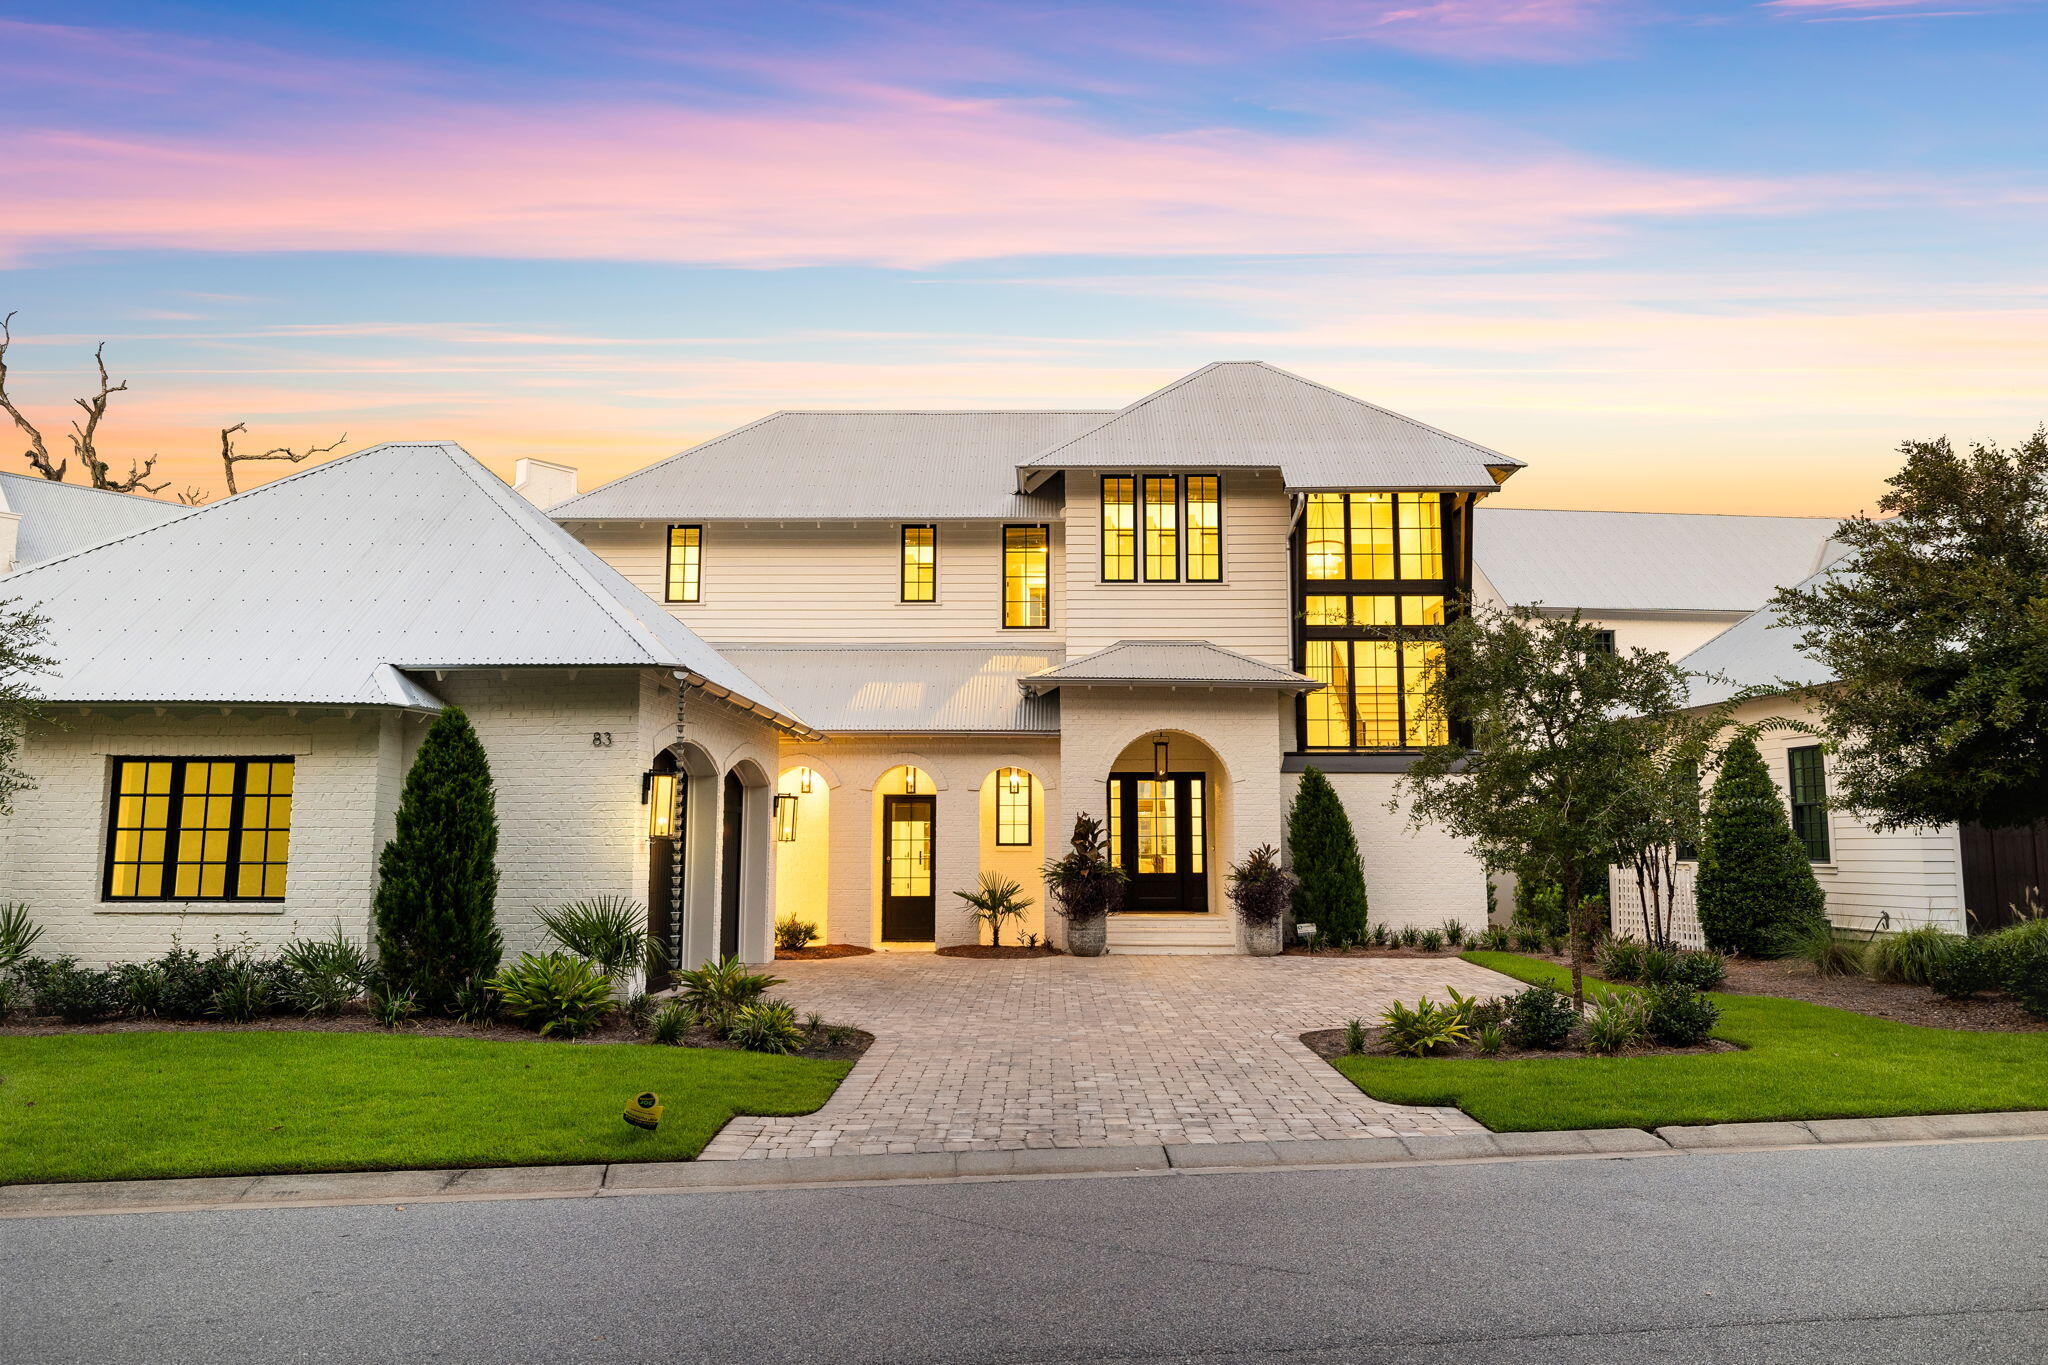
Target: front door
x: 909, y: 913
x: 1158, y: 833
x: 731, y: 866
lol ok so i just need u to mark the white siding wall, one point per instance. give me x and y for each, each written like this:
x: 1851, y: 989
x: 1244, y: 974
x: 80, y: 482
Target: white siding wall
x: 806, y: 584
x: 1248, y: 611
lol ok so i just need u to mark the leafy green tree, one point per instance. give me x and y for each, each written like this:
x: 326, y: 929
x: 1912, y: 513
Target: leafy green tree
x: 1755, y: 891
x: 1935, y: 626
x: 1555, y: 722
x: 22, y: 633
x: 438, y: 879
x: 1323, y: 851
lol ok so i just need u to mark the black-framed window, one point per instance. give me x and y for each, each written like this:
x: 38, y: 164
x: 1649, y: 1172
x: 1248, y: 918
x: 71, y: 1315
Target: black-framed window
x: 685, y: 576
x: 1378, y: 576
x: 198, y: 829
x: 1027, y: 577
x: 1603, y: 641
x: 1162, y: 528
x: 1807, y: 783
x: 919, y: 581
x: 1013, y: 807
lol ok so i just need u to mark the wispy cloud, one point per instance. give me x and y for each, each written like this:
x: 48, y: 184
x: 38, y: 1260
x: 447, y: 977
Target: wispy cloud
x: 1477, y: 30
x: 1825, y: 11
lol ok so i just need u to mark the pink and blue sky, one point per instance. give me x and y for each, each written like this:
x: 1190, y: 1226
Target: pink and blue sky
x: 1676, y: 254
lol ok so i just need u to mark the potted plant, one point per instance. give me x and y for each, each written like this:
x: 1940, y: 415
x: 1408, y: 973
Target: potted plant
x: 1261, y: 890
x: 1085, y: 888
x: 1000, y: 900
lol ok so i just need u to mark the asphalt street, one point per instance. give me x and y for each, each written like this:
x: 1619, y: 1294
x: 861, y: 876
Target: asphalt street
x: 1871, y: 1255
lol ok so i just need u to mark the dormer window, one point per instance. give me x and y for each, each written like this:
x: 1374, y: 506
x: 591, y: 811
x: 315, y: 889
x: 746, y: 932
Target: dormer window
x: 1162, y: 528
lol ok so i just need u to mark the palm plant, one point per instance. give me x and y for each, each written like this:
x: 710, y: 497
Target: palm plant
x: 998, y: 901
x: 18, y: 934
x: 717, y: 991
x: 610, y: 931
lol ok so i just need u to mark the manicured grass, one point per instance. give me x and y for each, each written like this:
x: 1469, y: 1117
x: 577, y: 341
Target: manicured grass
x: 123, y: 1106
x: 1802, y: 1062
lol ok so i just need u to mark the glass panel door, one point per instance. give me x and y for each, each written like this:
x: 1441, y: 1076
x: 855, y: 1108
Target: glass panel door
x: 909, y: 912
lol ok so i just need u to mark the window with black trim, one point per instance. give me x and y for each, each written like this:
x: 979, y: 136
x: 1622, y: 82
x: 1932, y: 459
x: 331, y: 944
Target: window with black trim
x: 1807, y: 784
x: 1162, y: 528
x: 1119, y: 528
x: 1603, y: 641
x: 685, y: 563
x: 920, y: 579
x: 1027, y: 577
x: 1013, y: 807
x: 199, y: 829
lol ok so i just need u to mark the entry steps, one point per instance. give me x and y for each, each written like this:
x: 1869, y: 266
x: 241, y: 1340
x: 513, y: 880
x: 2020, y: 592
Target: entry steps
x: 1157, y: 934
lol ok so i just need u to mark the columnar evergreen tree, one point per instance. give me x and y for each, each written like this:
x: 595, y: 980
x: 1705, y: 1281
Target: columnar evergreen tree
x: 1756, y: 891
x: 438, y: 878
x: 1324, y: 854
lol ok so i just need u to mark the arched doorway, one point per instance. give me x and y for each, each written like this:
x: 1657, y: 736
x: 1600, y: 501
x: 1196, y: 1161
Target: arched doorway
x: 1163, y: 804
x: 731, y: 866
x: 803, y: 848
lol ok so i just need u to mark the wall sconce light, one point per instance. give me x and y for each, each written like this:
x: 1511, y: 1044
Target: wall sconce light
x: 1016, y: 782
x: 785, y: 818
x: 1159, y: 757
x: 910, y: 781
x: 803, y: 783
x: 658, y: 793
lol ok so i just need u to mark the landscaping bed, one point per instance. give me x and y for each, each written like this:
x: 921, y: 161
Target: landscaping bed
x: 1333, y: 1043
x: 1007, y: 950
x: 821, y: 952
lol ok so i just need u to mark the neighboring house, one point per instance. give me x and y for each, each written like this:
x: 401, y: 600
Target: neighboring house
x: 41, y: 519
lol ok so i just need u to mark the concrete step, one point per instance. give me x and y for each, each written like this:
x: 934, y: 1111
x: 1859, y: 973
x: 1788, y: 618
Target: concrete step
x: 1213, y: 934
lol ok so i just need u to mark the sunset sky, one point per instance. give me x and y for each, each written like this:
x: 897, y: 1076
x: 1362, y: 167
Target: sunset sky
x: 1709, y: 256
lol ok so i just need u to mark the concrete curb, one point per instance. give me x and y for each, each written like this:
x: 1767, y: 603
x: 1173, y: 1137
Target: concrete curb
x: 686, y: 1177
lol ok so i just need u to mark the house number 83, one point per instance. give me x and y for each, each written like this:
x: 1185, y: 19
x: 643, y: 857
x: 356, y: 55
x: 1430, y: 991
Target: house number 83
x: 600, y: 739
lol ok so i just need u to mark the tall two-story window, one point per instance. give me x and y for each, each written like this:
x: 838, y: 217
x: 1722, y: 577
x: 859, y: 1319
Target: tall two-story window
x: 1027, y: 577
x: 685, y: 563
x: 1807, y: 783
x: 1378, y: 581
x: 1169, y: 526
x: 199, y: 829
x: 920, y: 578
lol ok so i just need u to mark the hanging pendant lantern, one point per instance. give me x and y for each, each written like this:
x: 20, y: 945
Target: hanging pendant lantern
x: 910, y: 781
x: 804, y: 782
x: 1159, y: 758
x: 1016, y: 782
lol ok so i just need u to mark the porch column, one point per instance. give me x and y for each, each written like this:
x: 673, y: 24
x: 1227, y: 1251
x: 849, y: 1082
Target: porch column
x: 958, y: 856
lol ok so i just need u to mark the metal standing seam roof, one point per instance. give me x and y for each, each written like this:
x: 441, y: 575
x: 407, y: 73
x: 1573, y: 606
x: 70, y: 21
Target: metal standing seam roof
x: 1644, y: 561
x: 854, y: 688
x: 57, y: 518
x: 1757, y: 651
x: 889, y: 466
x: 1193, y: 663
x: 1249, y: 414
x: 327, y: 585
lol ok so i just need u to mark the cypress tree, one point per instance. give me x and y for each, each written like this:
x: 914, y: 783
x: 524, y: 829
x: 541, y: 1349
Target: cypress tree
x: 1756, y: 890
x: 438, y: 878
x: 1324, y: 855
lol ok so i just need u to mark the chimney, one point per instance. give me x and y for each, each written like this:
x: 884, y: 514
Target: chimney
x: 543, y: 483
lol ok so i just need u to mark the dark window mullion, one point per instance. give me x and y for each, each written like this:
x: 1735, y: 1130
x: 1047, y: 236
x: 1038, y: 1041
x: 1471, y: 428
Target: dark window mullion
x: 174, y: 828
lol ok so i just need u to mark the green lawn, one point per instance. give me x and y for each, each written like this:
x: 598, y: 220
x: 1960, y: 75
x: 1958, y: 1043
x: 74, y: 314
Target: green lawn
x: 121, y: 1106
x: 1802, y: 1062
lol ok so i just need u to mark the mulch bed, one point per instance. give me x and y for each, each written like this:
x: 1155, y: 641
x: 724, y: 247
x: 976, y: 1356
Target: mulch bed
x: 1328, y: 1043
x: 356, y: 1020
x: 821, y: 952
x: 1007, y: 950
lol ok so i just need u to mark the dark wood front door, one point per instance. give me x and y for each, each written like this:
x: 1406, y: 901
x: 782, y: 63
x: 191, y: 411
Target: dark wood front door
x: 2004, y: 872
x: 909, y: 911
x: 730, y: 866
x: 1159, y: 835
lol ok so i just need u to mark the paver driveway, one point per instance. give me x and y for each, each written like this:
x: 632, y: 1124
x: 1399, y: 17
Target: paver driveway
x: 973, y: 1054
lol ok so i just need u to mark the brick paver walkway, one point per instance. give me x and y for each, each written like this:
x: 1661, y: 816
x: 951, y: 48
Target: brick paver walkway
x: 1063, y: 1052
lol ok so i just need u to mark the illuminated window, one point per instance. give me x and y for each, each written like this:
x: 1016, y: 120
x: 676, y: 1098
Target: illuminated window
x: 1013, y: 807
x: 685, y: 557
x: 1373, y: 537
x: 199, y: 829
x: 1114, y: 829
x: 1119, y: 529
x: 1375, y: 695
x: 1323, y: 542
x: 1373, y: 611
x: 1421, y: 535
x: 1162, y: 529
x: 1027, y: 577
x: 1205, y: 529
x: 920, y: 564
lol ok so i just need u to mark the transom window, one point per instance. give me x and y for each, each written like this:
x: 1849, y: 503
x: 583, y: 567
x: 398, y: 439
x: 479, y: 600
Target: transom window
x: 201, y: 829
x: 1013, y: 807
x: 1806, y: 771
x: 1027, y: 577
x: 1170, y: 526
x: 685, y: 563
x: 920, y: 581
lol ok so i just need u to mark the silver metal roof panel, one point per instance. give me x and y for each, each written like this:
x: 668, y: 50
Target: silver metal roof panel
x: 854, y: 688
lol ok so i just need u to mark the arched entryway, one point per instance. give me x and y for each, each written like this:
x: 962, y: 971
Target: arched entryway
x: 907, y: 835
x: 732, y: 865
x: 803, y: 848
x: 679, y: 792
x: 1164, y: 799
x: 1013, y: 821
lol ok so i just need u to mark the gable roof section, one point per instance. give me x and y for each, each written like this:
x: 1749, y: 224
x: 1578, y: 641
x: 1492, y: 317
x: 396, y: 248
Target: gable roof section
x: 1644, y: 561
x: 1167, y: 663
x: 886, y: 466
x: 57, y: 518
x: 857, y: 688
x: 1757, y: 651
x: 1248, y: 414
x: 328, y: 585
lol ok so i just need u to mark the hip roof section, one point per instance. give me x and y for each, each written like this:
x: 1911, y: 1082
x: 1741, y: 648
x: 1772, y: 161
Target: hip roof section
x: 1167, y: 663
x: 846, y: 689
x: 57, y: 518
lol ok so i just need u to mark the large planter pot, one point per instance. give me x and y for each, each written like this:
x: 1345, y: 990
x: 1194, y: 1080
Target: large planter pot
x: 1262, y: 940
x: 1088, y: 937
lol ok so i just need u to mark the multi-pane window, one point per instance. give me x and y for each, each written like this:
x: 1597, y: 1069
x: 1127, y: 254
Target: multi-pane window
x: 1013, y: 807
x: 920, y: 564
x: 1375, y: 694
x: 1027, y: 576
x: 1374, y: 537
x: 1170, y: 526
x: 1808, y: 785
x: 199, y: 829
x: 1119, y: 529
x: 1603, y: 641
x: 685, y: 562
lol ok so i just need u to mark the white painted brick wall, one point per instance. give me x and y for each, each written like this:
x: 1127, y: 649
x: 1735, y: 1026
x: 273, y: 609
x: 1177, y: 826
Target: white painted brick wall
x: 1419, y: 877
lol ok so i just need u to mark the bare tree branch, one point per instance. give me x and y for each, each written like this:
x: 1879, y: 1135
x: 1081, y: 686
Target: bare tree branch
x: 83, y: 437
x: 230, y: 457
x: 38, y: 453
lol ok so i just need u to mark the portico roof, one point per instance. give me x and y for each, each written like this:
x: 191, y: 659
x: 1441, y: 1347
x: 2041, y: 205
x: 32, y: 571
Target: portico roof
x: 1166, y: 663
